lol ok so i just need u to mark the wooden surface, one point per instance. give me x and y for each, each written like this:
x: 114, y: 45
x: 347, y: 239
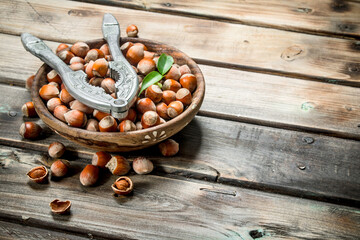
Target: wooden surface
x: 221, y: 43
x: 273, y: 153
x: 257, y: 98
x: 188, y: 207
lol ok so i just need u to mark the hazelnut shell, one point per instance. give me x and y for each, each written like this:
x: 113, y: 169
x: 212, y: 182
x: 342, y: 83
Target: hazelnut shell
x: 127, y: 190
x: 60, y: 207
x: 38, y: 174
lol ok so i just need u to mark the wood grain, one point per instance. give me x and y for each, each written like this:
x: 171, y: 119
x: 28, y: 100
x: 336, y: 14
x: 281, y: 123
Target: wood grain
x: 246, y: 96
x: 165, y: 208
x: 294, y: 163
x: 316, y: 17
x: 253, y: 48
x: 9, y: 231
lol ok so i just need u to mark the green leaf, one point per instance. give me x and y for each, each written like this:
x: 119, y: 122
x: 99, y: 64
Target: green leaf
x: 149, y: 80
x: 164, y: 63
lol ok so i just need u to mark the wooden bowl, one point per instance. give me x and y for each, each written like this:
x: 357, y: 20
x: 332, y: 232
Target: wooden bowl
x: 119, y: 141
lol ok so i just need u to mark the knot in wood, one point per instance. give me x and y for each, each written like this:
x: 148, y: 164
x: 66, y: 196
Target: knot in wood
x: 291, y: 53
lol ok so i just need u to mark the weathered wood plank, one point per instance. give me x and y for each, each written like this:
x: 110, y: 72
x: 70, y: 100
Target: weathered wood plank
x: 289, y: 162
x: 265, y: 49
x: 242, y: 96
x: 317, y: 17
x: 9, y: 230
x: 165, y: 208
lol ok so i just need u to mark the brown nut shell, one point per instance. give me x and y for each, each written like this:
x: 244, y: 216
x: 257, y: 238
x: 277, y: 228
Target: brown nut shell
x: 122, y: 186
x: 100, y: 159
x: 59, y: 168
x: 60, y: 207
x: 38, y: 174
x: 89, y: 175
x: 142, y: 165
x: 118, y: 165
x: 56, y: 149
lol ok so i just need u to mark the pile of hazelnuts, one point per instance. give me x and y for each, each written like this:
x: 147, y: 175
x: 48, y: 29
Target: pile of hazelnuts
x: 159, y: 103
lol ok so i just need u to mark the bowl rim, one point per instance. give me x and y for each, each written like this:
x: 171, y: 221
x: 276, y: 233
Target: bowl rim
x: 194, y: 106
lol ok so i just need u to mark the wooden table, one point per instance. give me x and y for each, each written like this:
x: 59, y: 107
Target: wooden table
x: 273, y: 153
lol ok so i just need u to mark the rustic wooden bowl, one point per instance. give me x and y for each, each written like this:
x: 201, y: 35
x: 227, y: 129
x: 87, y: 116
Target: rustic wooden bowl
x: 118, y: 141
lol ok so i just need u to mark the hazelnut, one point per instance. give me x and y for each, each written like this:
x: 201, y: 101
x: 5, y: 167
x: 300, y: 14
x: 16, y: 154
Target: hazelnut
x: 105, y: 49
x: 184, y: 96
x: 77, y: 60
x: 149, y: 119
x: 77, y: 105
x: 75, y: 118
x: 145, y: 104
x: 108, y: 124
x: 184, y: 69
x: 53, y: 103
x: 54, y: 84
x: 47, y: 92
x: 174, y: 109
x: 161, y: 110
x: 171, y: 84
x: 89, y: 69
x: 108, y: 84
x: 96, y: 81
x: 122, y: 186
x: 65, y: 55
x: 169, y: 147
x: 56, y: 149
x: 146, y: 65
x: 154, y: 92
x: 53, y: 76
x: 132, y: 31
x: 141, y: 45
x: 125, y: 47
x: 80, y: 49
x: 188, y: 81
x: 138, y: 126
x: 100, y: 159
x: 150, y: 55
x: 168, y: 96
x: 38, y: 174
x: 59, y: 168
x: 127, y: 126
x: 60, y: 111
x: 28, y: 110
x: 60, y: 207
x: 99, y: 115
x: 135, y: 54
x: 131, y: 115
x: 118, y: 165
x: 30, y: 130
x: 94, y: 54
x: 62, y: 46
x: 89, y: 175
x: 100, y: 67
x: 92, y: 125
x: 29, y: 82
x: 173, y: 73
x: 142, y: 165
x: 77, y: 66
x: 65, y: 96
